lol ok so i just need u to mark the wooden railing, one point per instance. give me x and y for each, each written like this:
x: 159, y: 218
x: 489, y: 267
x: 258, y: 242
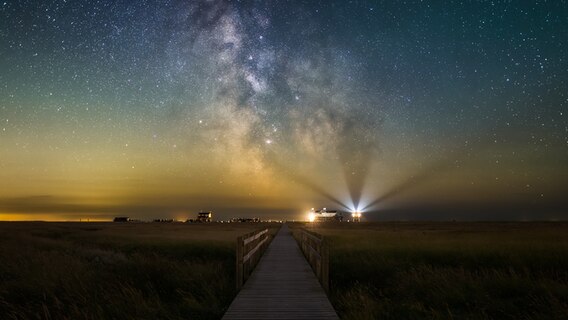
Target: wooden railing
x: 316, y: 251
x: 250, y: 248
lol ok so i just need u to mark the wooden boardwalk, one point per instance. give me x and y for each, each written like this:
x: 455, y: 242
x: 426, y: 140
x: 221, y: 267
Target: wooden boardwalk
x: 283, y: 286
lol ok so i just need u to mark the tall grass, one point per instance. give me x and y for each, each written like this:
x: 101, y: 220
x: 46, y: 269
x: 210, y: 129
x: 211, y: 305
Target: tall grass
x: 105, y: 271
x: 449, y: 270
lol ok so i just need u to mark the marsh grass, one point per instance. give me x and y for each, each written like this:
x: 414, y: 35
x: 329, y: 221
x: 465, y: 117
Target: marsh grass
x: 109, y: 271
x: 448, y: 270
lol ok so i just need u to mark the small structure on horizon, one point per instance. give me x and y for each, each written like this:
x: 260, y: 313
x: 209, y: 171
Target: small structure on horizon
x: 204, y: 216
x: 325, y: 215
x: 121, y: 219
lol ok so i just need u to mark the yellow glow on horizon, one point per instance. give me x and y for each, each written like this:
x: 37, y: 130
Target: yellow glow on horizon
x: 52, y: 217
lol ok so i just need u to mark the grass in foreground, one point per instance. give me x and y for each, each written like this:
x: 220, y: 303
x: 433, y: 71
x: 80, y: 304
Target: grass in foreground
x: 117, y: 271
x: 448, y: 270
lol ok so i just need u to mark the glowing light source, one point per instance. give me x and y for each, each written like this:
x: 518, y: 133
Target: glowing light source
x: 311, y: 217
x: 356, y: 216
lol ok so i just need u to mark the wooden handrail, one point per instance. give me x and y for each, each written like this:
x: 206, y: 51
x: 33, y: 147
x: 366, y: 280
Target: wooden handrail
x: 250, y: 248
x: 253, y: 251
x: 316, y: 250
x: 254, y: 237
x: 312, y: 236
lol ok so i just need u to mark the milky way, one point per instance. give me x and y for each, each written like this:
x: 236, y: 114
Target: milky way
x: 273, y: 107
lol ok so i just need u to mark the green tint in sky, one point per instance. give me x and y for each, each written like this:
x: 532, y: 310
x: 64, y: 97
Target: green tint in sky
x: 269, y: 108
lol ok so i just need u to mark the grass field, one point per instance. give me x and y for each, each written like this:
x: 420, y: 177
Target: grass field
x: 448, y: 270
x: 117, y: 271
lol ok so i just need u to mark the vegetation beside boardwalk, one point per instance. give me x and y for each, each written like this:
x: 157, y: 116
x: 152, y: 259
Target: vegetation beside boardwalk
x: 118, y: 271
x: 448, y: 270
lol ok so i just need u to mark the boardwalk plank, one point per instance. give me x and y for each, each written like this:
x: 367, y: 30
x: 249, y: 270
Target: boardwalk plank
x: 283, y: 286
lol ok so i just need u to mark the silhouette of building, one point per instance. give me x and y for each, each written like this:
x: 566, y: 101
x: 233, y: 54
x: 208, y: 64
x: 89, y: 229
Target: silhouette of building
x: 325, y: 215
x: 204, y: 216
x: 121, y: 219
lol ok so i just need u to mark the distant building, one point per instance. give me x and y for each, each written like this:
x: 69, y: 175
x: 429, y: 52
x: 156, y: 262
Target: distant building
x: 121, y: 219
x: 204, y: 216
x: 164, y: 220
x: 325, y: 215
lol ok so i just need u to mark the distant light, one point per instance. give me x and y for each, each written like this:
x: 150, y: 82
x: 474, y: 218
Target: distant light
x: 356, y: 216
x: 268, y: 141
x: 311, y: 217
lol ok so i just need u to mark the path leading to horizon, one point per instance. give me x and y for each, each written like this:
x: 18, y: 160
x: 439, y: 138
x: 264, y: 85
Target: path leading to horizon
x: 282, y: 286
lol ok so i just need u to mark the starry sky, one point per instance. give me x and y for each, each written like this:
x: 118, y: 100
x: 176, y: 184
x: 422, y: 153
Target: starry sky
x: 407, y: 110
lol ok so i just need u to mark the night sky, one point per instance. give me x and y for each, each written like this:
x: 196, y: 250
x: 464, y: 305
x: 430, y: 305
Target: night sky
x: 408, y: 110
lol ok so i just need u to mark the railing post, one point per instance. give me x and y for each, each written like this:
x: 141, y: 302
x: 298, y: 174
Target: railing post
x: 325, y: 265
x: 250, y: 248
x: 302, y: 242
x: 239, y: 263
x: 316, y: 251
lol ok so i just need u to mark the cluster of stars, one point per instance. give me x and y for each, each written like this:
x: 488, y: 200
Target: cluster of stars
x: 343, y: 86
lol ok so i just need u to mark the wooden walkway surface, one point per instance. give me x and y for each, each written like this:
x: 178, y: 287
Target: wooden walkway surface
x: 282, y: 286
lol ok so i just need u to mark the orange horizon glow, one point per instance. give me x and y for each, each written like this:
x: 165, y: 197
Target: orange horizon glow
x: 22, y: 217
